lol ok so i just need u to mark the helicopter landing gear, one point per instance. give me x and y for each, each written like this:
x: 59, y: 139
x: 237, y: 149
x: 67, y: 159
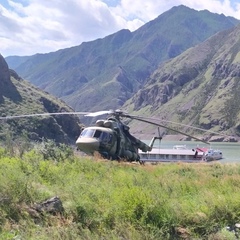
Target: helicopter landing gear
x: 104, y: 155
x: 141, y: 162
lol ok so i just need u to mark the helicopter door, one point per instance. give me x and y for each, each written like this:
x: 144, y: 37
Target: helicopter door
x: 106, y: 138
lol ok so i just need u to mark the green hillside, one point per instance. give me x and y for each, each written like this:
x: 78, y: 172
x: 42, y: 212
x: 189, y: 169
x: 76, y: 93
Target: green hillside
x: 104, y: 73
x: 18, y: 97
x: 96, y: 199
x: 199, y: 87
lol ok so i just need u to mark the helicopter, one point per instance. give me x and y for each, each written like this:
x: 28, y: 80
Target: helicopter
x: 111, y: 138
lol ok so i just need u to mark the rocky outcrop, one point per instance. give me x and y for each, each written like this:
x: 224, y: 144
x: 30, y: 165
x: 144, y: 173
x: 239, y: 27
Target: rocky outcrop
x: 20, y: 97
x: 7, y: 88
x: 5, y: 74
x: 200, y: 87
x: 52, y: 205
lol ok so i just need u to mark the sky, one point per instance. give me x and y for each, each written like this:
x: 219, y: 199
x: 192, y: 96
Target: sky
x: 28, y: 27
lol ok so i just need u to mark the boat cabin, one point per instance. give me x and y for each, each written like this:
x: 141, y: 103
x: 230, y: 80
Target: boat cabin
x: 171, y: 155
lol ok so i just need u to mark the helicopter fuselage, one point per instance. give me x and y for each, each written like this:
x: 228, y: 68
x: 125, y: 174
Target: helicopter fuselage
x: 111, y: 139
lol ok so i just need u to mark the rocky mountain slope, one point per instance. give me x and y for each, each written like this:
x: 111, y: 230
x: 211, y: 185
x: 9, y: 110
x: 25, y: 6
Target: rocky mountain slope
x: 103, y: 74
x: 18, y: 97
x: 199, y: 87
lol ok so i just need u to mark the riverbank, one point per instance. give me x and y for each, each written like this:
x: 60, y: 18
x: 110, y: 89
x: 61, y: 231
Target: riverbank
x: 180, y: 137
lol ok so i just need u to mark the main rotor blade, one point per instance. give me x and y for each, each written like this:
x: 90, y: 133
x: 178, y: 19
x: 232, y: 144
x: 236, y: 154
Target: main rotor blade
x: 42, y: 114
x: 160, y: 125
x: 185, y: 125
x: 95, y: 114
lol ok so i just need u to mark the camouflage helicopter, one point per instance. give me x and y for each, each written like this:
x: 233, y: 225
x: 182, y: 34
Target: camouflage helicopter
x: 111, y: 137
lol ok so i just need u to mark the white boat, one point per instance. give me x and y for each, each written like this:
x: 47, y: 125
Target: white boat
x: 212, y: 155
x: 180, y: 147
x: 180, y: 153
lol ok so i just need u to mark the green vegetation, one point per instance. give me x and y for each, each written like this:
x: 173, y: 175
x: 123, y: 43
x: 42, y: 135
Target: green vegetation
x: 111, y: 200
x: 32, y: 100
x: 200, y: 87
x: 232, y: 108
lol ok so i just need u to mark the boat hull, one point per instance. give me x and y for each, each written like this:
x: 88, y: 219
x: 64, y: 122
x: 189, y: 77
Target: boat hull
x: 177, y: 155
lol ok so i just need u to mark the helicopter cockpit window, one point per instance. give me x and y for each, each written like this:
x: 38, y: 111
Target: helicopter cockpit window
x: 103, y: 136
x: 97, y: 134
x: 87, y: 133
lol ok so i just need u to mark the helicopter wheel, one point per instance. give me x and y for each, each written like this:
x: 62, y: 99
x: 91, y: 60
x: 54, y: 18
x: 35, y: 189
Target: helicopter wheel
x: 105, y: 155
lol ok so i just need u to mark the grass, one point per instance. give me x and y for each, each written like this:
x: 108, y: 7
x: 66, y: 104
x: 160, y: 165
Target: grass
x: 111, y: 200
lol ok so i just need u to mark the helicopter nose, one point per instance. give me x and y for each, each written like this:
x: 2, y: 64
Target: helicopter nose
x: 88, y: 145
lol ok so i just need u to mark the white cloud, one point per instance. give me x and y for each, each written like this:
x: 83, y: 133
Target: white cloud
x: 226, y: 7
x: 144, y: 10
x: 48, y: 26
x: 35, y: 26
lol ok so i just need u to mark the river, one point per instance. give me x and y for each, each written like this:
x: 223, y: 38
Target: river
x: 231, y: 151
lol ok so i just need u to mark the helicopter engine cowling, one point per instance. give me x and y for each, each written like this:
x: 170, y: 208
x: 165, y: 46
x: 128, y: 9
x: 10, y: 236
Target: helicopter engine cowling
x: 100, y: 123
x: 110, y: 124
x: 106, y: 123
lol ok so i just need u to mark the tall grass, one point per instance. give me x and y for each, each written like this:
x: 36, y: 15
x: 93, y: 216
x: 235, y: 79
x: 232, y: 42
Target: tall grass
x: 111, y: 200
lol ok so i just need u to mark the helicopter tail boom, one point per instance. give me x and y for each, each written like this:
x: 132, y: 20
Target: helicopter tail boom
x: 143, y: 146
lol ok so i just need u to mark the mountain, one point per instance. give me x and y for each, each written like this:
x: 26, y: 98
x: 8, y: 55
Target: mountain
x: 18, y: 97
x: 104, y: 73
x: 199, y: 87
